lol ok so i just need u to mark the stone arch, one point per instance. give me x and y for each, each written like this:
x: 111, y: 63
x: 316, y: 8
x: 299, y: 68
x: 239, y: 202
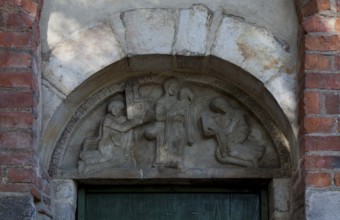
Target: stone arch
x: 227, y: 77
x: 195, y: 32
x: 245, y: 53
x: 208, y: 71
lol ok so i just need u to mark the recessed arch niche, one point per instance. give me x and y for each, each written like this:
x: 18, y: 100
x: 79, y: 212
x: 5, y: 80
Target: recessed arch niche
x: 199, y: 141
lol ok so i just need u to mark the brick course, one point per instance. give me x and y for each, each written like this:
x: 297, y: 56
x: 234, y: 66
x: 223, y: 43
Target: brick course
x: 317, y: 62
x: 29, y: 6
x: 322, y: 143
x: 16, y: 40
x: 20, y: 79
x: 322, y: 162
x: 16, y: 100
x: 311, y: 102
x: 318, y: 180
x: 318, y: 125
x: 322, y: 81
x: 332, y: 103
x: 16, y: 139
x: 15, y: 60
x: 337, y: 179
x: 314, y: 6
x: 323, y: 43
x: 317, y: 24
x: 20, y: 175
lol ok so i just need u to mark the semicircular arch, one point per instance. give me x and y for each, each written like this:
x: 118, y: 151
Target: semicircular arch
x: 78, y: 117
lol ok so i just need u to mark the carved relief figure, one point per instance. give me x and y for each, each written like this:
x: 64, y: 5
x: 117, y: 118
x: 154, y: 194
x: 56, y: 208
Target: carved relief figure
x: 235, y: 144
x: 172, y: 128
x: 252, y: 149
x: 186, y: 97
x: 113, y: 144
x: 150, y: 125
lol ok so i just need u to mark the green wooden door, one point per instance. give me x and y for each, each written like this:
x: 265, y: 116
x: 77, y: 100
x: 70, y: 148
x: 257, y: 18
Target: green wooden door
x: 170, y: 204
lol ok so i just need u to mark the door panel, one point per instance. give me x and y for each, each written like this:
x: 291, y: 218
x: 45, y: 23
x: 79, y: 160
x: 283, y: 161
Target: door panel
x: 171, y: 206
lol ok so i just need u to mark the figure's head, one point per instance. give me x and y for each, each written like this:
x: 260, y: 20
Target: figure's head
x: 255, y: 135
x: 220, y: 105
x: 116, y: 107
x: 171, y: 86
x: 186, y: 94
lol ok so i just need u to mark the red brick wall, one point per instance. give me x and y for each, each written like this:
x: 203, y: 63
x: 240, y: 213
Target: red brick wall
x: 319, y: 78
x: 19, y: 115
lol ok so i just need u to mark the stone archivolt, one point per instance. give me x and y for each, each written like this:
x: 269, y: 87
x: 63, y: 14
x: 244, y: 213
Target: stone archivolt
x: 195, y: 31
x: 161, y: 124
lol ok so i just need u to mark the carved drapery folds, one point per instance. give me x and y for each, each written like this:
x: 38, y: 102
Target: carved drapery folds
x: 170, y: 126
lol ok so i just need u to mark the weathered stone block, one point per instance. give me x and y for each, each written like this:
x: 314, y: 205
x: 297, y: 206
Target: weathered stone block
x: 77, y: 58
x: 251, y: 47
x: 284, y: 87
x: 280, y: 190
x: 16, y: 207
x: 65, y: 211
x: 150, y: 31
x: 65, y: 191
x: 193, y: 29
x: 119, y: 30
x: 323, y: 205
x: 281, y: 216
x: 50, y: 102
